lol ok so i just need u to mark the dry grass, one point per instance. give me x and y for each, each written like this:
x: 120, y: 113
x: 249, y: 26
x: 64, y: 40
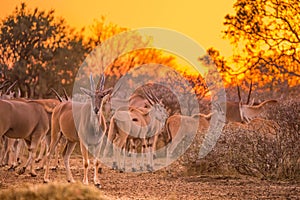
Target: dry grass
x: 53, y: 191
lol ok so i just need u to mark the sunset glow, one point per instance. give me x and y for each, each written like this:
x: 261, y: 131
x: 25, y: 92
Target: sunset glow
x: 199, y: 20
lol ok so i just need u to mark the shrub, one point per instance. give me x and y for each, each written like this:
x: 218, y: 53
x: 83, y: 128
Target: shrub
x: 265, y: 148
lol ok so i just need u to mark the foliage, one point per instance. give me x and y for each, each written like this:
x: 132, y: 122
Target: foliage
x: 266, y: 37
x: 28, y: 40
x: 66, y: 62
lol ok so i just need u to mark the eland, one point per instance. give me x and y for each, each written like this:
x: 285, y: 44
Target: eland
x: 26, y: 120
x: 132, y: 123
x: 80, y: 123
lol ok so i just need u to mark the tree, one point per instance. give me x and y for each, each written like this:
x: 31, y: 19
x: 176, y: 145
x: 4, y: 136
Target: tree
x: 66, y: 62
x: 268, y: 33
x: 29, y: 41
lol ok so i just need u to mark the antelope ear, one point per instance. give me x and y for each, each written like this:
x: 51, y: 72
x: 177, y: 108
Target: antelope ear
x: 87, y: 92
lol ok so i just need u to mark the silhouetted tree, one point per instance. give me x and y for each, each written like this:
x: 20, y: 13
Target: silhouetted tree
x: 34, y: 48
x: 266, y: 35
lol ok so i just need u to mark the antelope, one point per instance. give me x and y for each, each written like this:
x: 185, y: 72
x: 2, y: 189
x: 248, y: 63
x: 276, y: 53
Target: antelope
x: 112, y: 103
x: 179, y: 127
x: 90, y: 125
x: 15, y: 122
x: 48, y: 105
x: 250, y: 112
x: 11, y: 146
x: 8, y: 153
x: 135, y: 123
x: 244, y: 113
x: 45, y: 142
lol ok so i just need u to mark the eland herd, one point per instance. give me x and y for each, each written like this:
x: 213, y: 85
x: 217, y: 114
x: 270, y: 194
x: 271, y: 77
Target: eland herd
x: 99, y: 127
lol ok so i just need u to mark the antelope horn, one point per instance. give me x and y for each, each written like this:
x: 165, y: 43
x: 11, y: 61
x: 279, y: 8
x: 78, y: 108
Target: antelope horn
x: 148, y: 97
x: 92, y: 83
x: 56, y: 94
x: 239, y: 92
x: 10, y: 87
x: 65, y: 94
x: 100, y: 84
x: 102, y: 81
x: 156, y: 100
x: 4, y: 84
x: 250, y: 90
x: 19, y: 93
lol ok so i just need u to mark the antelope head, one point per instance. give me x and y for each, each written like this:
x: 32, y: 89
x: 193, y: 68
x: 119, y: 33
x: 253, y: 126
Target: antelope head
x: 97, y: 94
x: 8, y: 94
x: 158, y: 110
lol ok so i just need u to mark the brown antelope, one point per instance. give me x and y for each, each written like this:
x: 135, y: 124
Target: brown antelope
x: 79, y: 122
x: 178, y: 127
x: 250, y: 112
x: 11, y: 146
x: 45, y: 142
x: 8, y: 153
x: 27, y: 120
x: 48, y: 105
x: 239, y: 112
x: 135, y: 123
x: 111, y: 104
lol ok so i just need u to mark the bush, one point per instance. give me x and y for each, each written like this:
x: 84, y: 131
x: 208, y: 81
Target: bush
x: 265, y: 148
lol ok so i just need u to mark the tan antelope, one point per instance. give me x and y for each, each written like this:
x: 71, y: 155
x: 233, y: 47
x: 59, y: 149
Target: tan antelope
x: 45, y: 142
x: 178, y: 127
x: 15, y: 146
x: 111, y: 104
x: 244, y: 113
x: 11, y: 147
x: 48, y: 105
x: 26, y: 120
x: 135, y: 123
x: 90, y: 128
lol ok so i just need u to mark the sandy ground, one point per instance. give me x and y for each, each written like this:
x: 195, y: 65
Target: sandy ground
x: 161, y: 185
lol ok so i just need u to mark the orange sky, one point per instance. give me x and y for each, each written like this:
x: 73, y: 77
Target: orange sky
x: 198, y: 19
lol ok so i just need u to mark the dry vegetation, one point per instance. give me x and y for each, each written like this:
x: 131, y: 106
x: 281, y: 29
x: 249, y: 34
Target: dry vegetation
x: 264, y: 148
x: 54, y: 191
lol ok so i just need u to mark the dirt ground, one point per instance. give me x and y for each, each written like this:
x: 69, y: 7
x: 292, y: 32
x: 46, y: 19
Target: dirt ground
x: 161, y: 185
